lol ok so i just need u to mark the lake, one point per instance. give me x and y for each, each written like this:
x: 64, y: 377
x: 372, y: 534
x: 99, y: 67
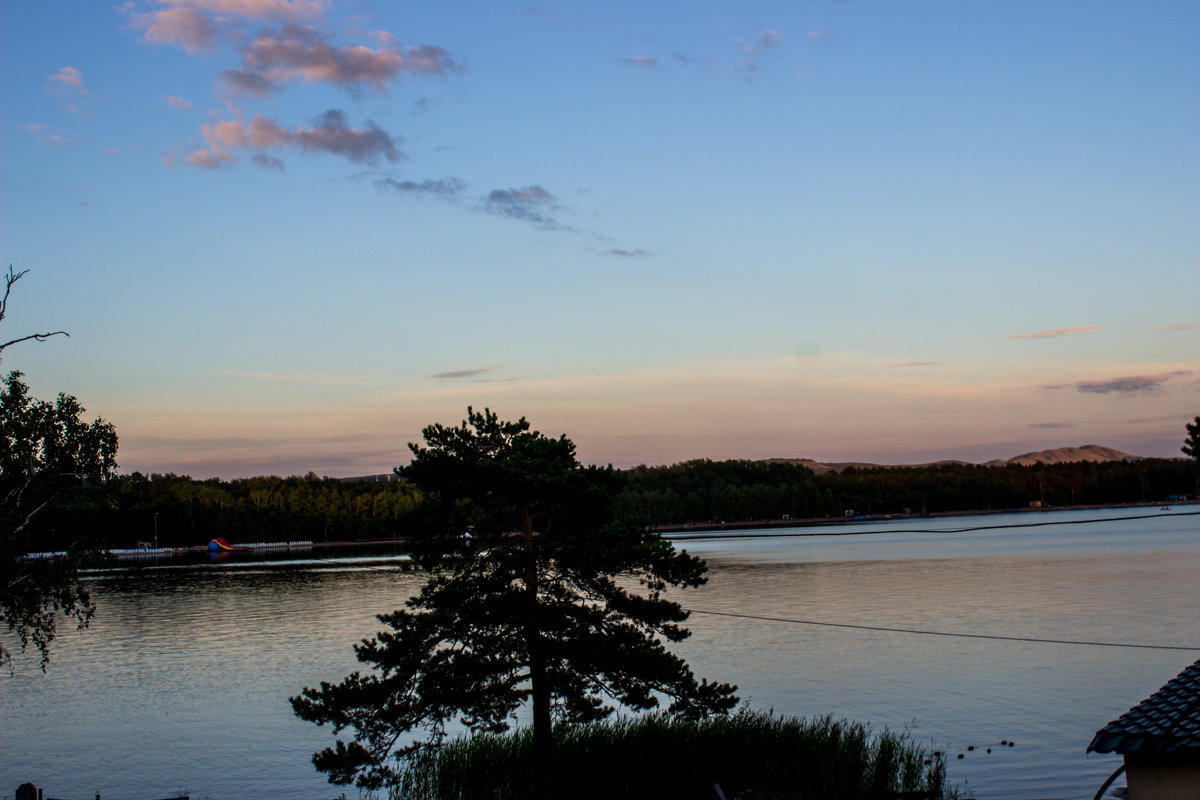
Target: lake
x: 181, y: 683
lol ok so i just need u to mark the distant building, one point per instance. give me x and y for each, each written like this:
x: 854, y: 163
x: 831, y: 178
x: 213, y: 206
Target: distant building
x: 1160, y: 740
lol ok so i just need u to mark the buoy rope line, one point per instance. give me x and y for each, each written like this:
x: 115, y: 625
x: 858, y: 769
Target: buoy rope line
x: 942, y: 633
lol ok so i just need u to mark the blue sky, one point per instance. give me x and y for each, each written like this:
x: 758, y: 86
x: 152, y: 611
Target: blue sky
x: 286, y: 234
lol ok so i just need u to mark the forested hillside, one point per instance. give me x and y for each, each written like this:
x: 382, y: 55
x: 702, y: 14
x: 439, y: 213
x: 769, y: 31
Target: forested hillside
x: 186, y: 511
x: 708, y: 491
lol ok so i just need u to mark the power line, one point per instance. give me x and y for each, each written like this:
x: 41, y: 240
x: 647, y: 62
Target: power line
x: 820, y: 528
x: 942, y: 633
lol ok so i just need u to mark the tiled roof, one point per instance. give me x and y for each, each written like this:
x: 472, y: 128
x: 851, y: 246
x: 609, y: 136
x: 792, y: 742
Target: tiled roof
x: 1167, y: 721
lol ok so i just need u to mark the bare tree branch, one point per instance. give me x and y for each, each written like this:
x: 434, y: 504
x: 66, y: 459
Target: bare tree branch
x: 9, y: 279
x: 41, y: 337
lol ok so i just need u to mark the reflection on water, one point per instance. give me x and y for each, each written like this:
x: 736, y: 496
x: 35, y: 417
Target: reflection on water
x: 182, y: 681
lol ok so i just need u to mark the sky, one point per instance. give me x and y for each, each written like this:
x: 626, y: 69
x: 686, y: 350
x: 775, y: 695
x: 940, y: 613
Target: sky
x: 286, y: 235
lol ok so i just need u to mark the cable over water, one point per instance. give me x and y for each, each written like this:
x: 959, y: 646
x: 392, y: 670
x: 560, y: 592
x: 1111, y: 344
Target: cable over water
x: 965, y: 529
x: 942, y: 633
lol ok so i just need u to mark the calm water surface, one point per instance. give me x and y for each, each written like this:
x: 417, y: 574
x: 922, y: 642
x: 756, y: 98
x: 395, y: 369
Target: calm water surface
x: 182, y: 681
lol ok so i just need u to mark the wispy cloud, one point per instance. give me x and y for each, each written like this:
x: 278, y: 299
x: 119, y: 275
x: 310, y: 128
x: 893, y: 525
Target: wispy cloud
x: 1051, y: 425
x: 178, y: 102
x: 329, y: 133
x: 67, y: 85
x: 268, y: 162
x: 640, y: 61
x: 768, y: 39
x: 69, y: 76
x: 531, y: 204
x: 448, y: 189
x: 1131, y: 384
x: 1055, y: 332
x: 45, y: 136
x: 464, y: 373
x: 745, y: 58
x: 1178, y: 326
x: 917, y: 364
x: 616, y: 251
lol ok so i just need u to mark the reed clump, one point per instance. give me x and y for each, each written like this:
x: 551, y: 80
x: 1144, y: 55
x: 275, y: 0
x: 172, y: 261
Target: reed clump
x: 766, y: 756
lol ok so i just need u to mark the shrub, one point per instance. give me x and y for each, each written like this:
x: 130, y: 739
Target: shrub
x: 655, y: 756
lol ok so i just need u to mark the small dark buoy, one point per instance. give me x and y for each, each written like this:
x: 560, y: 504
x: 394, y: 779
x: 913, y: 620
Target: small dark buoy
x: 970, y: 747
x: 989, y: 749
x: 1010, y: 744
x: 928, y: 762
x: 1003, y: 742
x: 937, y: 753
x: 960, y: 755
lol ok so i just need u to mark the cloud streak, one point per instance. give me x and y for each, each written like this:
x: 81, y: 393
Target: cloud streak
x: 1054, y: 333
x: 646, y: 62
x: 1127, y: 385
x: 447, y: 189
x: 329, y: 133
x: 616, y: 251
x: 532, y: 204
x: 464, y: 373
x: 1178, y: 326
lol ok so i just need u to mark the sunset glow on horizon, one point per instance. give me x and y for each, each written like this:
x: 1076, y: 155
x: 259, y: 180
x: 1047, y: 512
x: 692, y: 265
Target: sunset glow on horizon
x: 285, y: 235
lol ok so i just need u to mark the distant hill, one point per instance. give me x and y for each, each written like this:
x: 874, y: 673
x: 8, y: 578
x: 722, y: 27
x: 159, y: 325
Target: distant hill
x: 1068, y: 455
x: 1059, y: 455
x: 821, y: 468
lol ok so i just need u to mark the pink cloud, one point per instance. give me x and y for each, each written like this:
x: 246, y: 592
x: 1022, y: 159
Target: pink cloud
x: 330, y: 133
x: 46, y: 137
x: 180, y: 25
x: 208, y: 159
x: 640, y: 61
x: 260, y: 134
x: 259, y: 9
x: 189, y: 23
x: 178, y: 102
x: 69, y: 76
x: 1055, y: 332
x: 1178, y: 326
x: 298, y: 52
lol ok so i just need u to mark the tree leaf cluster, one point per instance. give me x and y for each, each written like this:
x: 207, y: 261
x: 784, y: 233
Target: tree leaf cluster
x: 48, y: 456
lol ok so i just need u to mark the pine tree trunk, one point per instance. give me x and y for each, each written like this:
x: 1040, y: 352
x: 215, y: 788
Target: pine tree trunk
x: 543, y: 730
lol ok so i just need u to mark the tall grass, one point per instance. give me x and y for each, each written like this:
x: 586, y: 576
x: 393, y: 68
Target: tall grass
x: 653, y: 756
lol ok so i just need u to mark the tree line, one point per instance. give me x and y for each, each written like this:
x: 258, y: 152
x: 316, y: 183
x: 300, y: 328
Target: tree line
x: 180, y: 511
x: 737, y: 491
x: 185, y: 511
